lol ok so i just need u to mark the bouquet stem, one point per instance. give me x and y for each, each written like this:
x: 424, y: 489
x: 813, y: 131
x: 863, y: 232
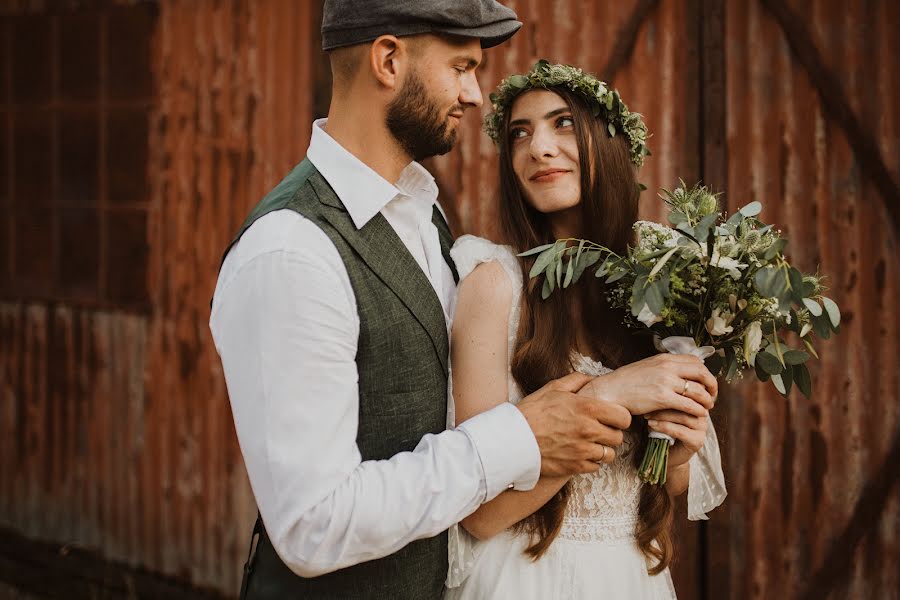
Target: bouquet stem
x: 656, y: 460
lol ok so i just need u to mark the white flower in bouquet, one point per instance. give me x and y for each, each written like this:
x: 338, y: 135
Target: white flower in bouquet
x: 718, y: 323
x: 648, y: 317
x: 752, y: 341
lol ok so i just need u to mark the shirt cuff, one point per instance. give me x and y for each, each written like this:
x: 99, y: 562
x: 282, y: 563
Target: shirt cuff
x: 509, y: 453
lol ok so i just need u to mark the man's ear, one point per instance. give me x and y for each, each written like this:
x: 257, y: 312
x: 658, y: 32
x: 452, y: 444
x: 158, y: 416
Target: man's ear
x: 387, y: 58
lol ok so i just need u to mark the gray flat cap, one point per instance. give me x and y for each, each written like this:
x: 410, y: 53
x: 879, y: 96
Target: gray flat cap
x: 349, y: 22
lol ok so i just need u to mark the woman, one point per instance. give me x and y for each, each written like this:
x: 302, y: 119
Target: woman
x: 568, y: 151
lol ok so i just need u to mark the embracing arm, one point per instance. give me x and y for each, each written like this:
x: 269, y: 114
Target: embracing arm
x: 480, y: 367
x: 285, y: 324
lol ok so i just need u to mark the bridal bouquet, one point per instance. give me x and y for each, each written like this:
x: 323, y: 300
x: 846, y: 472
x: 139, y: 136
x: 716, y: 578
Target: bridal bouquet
x: 719, y: 288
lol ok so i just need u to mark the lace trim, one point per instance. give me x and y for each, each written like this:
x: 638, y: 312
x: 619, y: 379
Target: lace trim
x: 587, y: 529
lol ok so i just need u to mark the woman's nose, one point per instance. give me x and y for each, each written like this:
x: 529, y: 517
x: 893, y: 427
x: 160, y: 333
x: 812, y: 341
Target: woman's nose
x: 543, y: 145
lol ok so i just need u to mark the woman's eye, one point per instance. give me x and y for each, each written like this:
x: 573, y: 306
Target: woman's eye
x: 517, y: 133
x: 565, y: 122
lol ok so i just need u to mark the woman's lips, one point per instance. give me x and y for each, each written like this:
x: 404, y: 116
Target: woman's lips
x: 548, y: 176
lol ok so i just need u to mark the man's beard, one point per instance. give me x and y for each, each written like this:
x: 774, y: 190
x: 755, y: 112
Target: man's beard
x: 417, y: 123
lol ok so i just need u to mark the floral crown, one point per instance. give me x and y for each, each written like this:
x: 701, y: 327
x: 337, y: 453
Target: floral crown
x: 604, y: 102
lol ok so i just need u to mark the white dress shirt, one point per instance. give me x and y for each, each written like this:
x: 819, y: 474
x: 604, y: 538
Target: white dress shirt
x: 286, y: 327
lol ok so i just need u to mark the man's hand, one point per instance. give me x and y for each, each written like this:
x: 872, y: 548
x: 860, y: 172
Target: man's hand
x: 575, y: 433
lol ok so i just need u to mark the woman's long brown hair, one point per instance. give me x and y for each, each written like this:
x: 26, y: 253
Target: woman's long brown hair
x: 547, y: 334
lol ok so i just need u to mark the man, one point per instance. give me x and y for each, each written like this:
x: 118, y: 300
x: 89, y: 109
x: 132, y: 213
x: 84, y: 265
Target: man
x: 331, y: 315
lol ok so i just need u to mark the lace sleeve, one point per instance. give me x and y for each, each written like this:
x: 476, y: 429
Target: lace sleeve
x: 706, y: 489
x: 469, y: 252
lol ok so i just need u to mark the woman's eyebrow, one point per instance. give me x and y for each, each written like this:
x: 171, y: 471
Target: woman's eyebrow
x: 549, y: 115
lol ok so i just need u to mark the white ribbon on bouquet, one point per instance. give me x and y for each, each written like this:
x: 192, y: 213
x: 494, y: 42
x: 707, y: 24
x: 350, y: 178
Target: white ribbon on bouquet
x: 678, y: 344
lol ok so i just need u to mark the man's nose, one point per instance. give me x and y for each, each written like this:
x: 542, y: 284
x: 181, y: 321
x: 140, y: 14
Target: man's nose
x: 470, y: 94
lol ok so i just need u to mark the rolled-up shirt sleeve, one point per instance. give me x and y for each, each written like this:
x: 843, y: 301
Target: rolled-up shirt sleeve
x: 285, y: 325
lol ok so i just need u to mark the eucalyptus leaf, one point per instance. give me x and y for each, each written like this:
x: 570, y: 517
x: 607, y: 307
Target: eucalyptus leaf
x: 822, y: 326
x: 760, y: 374
x: 779, y: 384
x: 731, y: 360
x: 814, y: 308
x: 752, y: 209
x: 735, y: 219
x: 543, y: 261
x: 551, y: 275
x: 653, y: 298
x: 776, y: 248
x: 662, y: 261
x: 768, y: 363
x: 767, y: 281
x: 587, y: 259
x: 796, y: 279
x: 612, y: 129
x: 834, y: 313
x: 810, y: 348
x: 518, y: 81
x: 788, y: 378
x: 570, y: 270
x: 637, y: 303
x: 559, y: 272
x: 704, y: 226
x: 616, y: 276
x: 795, y: 357
x: 536, y: 250
x: 675, y: 217
x: 546, y: 291
x: 803, y: 380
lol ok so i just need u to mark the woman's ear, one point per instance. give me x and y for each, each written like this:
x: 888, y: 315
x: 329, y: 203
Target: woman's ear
x: 385, y: 59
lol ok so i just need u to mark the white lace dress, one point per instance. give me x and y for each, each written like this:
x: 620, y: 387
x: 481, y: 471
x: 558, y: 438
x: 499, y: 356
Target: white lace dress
x: 595, y: 554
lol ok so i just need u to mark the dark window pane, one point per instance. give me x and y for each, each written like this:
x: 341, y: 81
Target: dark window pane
x: 79, y: 40
x: 34, y: 252
x: 31, y: 150
x: 79, y: 154
x: 126, y: 157
x: 31, y: 59
x: 79, y: 254
x: 126, y: 257
x: 129, y: 32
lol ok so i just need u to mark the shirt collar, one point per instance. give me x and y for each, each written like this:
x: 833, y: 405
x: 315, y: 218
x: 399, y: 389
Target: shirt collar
x: 364, y: 192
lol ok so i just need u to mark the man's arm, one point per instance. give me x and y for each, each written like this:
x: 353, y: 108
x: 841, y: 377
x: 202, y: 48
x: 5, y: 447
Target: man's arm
x: 285, y: 324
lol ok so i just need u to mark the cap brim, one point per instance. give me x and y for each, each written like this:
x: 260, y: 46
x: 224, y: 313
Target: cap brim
x: 490, y: 35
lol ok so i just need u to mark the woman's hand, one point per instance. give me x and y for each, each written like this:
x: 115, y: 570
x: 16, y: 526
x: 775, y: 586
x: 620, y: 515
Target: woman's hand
x: 688, y: 431
x: 661, y: 382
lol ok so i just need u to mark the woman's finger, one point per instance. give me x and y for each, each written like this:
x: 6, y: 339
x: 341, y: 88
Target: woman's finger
x: 696, y: 371
x: 687, y: 436
x: 697, y: 392
x: 681, y: 403
x: 676, y: 416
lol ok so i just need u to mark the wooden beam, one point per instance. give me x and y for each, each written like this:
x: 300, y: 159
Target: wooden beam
x: 627, y: 38
x: 837, y: 106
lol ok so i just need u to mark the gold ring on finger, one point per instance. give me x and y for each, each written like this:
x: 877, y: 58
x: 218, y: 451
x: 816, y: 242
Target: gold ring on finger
x: 684, y: 390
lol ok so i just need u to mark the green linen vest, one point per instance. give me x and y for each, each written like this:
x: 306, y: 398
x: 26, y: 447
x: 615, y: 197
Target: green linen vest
x: 401, y: 358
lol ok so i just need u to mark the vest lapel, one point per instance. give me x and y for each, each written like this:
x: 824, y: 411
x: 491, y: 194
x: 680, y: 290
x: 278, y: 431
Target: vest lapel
x: 446, y: 238
x: 382, y: 250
